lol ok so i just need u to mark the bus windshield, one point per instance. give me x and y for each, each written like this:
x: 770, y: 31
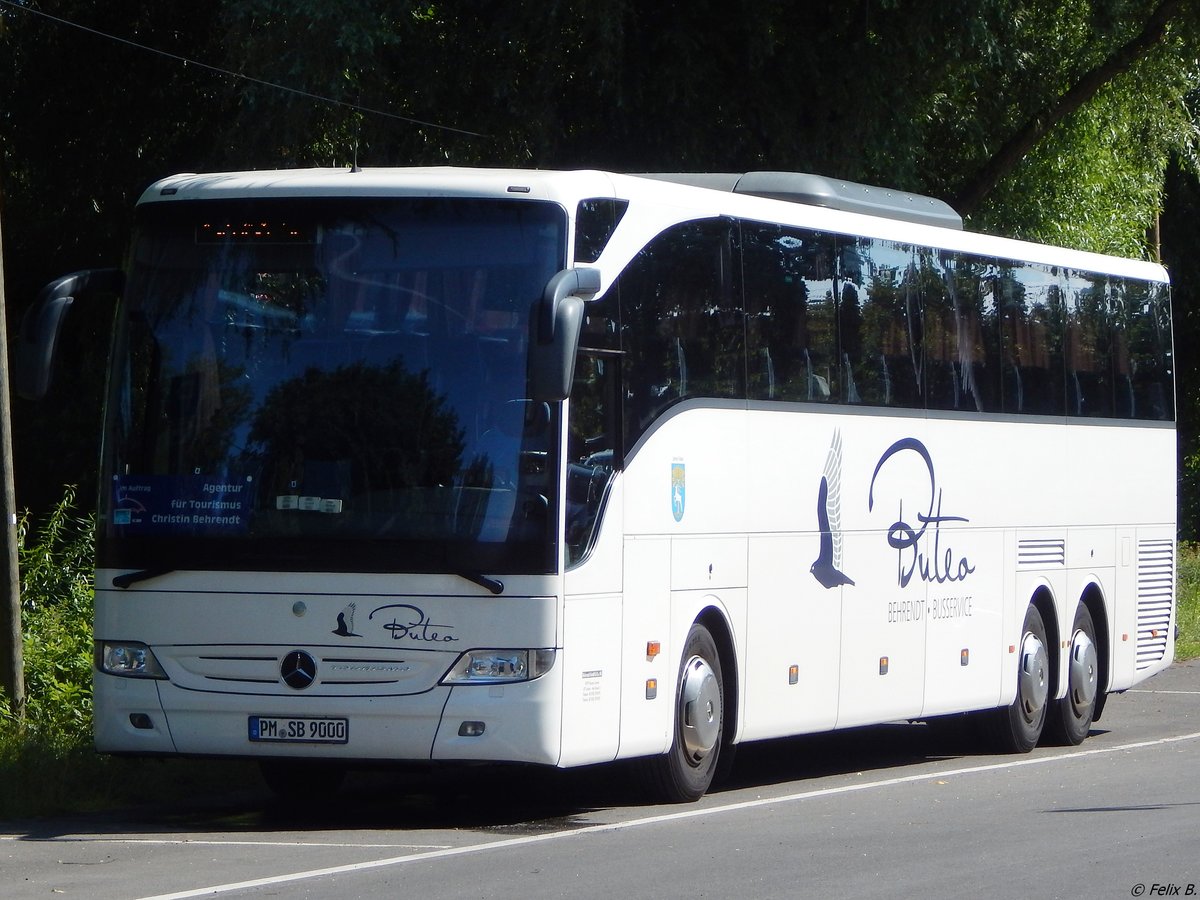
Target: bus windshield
x: 332, y: 385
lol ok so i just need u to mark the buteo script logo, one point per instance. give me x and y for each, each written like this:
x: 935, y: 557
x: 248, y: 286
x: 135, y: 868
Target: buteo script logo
x: 918, y: 547
x: 921, y: 552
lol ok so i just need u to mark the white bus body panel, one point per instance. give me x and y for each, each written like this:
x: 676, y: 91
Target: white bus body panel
x: 380, y: 658
x: 646, y: 724
x: 595, y: 660
x: 1010, y: 508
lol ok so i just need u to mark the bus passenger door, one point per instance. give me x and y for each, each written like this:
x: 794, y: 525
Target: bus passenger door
x: 592, y: 603
x: 591, y: 640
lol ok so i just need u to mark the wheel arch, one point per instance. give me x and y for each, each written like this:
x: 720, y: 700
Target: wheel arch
x: 1093, y: 600
x: 1043, y: 601
x: 712, y: 618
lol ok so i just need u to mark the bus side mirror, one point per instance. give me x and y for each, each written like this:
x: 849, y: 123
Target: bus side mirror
x: 37, y: 341
x: 559, y: 320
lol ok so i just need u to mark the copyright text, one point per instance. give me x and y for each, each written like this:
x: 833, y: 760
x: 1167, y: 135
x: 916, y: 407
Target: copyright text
x: 1156, y: 889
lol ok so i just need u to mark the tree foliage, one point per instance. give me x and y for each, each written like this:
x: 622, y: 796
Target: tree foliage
x: 1049, y: 120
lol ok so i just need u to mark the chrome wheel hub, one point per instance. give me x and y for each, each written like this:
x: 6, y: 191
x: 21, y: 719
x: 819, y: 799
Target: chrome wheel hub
x: 1084, y: 667
x: 1033, y: 685
x: 699, y: 710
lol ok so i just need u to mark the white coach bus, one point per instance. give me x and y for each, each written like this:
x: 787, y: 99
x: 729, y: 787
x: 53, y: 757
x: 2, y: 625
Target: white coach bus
x: 569, y: 467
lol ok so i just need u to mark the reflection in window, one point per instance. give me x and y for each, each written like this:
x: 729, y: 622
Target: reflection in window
x: 1088, y: 344
x: 364, y: 379
x: 593, y: 453
x: 884, y: 351
x: 961, y: 333
x: 866, y: 321
x: 1031, y: 310
x: 681, y: 322
x: 791, y: 325
x: 595, y: 222
x: 1142, y: 317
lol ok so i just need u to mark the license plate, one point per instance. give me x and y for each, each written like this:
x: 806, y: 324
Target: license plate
x: 293, y: 730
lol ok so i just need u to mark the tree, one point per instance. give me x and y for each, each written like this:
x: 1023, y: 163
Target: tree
x: 86, y: 123
x: 1181, y: 253
x: 1048, y: 120
x: 1124, y: 56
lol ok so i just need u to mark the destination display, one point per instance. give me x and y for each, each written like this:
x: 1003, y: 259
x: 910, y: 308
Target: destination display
x: 158, y: 504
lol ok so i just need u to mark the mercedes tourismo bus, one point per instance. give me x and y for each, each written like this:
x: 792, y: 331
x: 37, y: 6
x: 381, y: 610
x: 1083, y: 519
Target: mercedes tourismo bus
x: 569, y: 467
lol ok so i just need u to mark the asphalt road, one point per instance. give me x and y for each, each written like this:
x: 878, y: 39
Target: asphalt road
x: 895, y: 811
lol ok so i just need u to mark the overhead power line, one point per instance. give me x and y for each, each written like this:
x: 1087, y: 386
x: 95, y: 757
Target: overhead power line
x: 218, y: 70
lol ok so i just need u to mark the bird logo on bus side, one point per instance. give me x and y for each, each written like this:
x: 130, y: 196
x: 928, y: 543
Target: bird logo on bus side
x: 827, y: 568
x: 345, y: 622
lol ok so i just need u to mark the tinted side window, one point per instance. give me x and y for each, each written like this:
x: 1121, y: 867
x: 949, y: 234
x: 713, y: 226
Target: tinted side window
x: 595, y: 222
x: 682, y: 330
x: 593, y: 451
x: 789, y: 285
x: 1142, y: 318
x: 1031, y: 313
x: 961, y: 333
x: 1088, y: 344
x: 882, y: 337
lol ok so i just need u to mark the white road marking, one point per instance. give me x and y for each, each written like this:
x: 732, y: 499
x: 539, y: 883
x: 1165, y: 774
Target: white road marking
x: 81, y: 839
x: 666, y: 817
x: 1192, y: 693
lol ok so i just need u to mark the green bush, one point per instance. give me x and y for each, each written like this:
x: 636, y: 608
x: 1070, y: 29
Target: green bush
x: 56, y: 610
x: 46, y: 757
x: 47, y: 764
x: 1187, y: 645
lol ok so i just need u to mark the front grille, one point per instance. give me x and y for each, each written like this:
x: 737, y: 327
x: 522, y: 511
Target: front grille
x: 256, y: 670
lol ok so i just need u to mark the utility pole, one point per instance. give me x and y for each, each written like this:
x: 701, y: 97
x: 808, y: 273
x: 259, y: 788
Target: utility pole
x: 12, y: 655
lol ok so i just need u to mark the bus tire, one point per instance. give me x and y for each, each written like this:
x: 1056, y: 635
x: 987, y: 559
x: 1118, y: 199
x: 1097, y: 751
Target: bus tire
x: 1016, y: 728
x: 684, y: 773
x: 1070, y: 719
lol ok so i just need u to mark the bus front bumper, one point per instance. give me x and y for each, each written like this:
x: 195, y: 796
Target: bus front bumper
x: 518, y: 722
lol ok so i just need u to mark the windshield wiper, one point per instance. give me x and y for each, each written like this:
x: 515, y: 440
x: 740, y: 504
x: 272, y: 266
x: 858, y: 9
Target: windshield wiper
x: 131, y: 578
x: 492, y: 584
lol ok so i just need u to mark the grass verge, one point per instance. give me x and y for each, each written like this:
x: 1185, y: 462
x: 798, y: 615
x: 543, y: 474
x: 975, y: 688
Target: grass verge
x: 39, y: 779
x: 1187, y: 598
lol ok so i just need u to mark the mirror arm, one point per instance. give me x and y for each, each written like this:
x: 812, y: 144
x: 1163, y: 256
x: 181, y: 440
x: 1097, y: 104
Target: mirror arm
x: 37, y: 341
x: 559, y: 322
x: 567, y: 283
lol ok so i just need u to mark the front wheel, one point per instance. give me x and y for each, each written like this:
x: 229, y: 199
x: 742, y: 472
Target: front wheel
x: 685, y: 772
x: 1070, y: 718
x: 1016, y: 728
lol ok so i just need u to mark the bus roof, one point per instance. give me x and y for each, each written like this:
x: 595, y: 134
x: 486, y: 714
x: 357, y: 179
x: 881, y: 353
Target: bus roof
x: 833, y: 193
x: 788, y: 198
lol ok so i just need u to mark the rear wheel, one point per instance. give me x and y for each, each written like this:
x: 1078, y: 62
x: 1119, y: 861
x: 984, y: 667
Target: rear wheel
x: 1016, y: 728
x: 1070, y: 718
x: 685, y: 772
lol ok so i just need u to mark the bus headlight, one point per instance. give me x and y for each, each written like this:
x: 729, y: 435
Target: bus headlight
x: 131, y: 659
x: 499, y: 666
